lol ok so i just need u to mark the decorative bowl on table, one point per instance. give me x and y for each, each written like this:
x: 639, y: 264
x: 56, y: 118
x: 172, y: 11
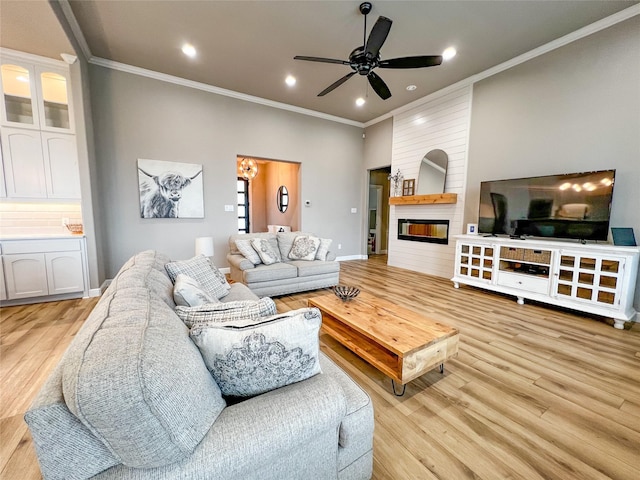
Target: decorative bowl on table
x: 344, y: 292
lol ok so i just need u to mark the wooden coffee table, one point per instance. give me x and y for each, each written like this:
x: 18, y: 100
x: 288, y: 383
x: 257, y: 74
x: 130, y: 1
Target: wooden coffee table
x: 399, y: 342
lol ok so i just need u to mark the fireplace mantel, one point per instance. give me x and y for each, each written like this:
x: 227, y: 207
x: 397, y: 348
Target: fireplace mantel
x: 432, y: 199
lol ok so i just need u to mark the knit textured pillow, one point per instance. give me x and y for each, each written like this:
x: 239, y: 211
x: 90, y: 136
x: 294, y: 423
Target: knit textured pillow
x: 202, y: 271
x: 323, y: 249
x: 248, y: 358
x: 304, y: 248
x: 250, y: 310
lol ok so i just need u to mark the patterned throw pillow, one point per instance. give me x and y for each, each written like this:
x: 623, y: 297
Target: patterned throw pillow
x: 189, y: 293
x: 267, y: 254
x: 202, y: 271
x: 249, y: 310
x: 304, y: 248
x: 323, y: 249
x: 245, y: 248
x: 248, y: 358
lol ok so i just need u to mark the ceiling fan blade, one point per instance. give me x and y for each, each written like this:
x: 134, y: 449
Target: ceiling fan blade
x: 323, y: 60
x: 412, y: 62
x: 336, y: 84
x: 377, y: 36
x: 379, y: 86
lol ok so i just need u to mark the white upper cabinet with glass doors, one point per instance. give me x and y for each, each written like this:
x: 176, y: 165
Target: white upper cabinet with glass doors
x: 35, y: 96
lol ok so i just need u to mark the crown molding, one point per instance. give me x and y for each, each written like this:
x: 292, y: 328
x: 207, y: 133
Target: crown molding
x: 65, y: 7
x: 30, y: 57
x: 102, y: 62
x: 548, y: 47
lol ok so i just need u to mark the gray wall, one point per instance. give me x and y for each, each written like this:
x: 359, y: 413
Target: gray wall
x: 377, y: 144
x: 138, y: 117
x: 574, y: 109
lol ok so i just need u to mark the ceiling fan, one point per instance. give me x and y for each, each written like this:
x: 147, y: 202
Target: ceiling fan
x: 365, y: 59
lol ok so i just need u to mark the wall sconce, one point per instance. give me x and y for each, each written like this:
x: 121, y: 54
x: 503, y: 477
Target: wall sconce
x: 204, y: 246
x: 248, y: 168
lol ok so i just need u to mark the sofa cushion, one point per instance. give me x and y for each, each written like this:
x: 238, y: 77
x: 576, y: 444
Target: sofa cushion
x: 248, y: 358
x: 189, y: 293
x: 310, y: 269
x: 267, y: 253
x: 246, y: 249
x: 265, y: 273
x: 239, y: 291
x: 323, y: 249
x: 227, y: 311
x: 203, y: 271
x: 119, y: 378
x: 304, y: 247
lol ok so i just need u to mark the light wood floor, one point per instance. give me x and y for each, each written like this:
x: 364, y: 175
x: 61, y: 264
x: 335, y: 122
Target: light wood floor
x: 535, y: 392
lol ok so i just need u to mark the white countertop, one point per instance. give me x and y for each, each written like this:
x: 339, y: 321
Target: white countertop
x: 33, y: 236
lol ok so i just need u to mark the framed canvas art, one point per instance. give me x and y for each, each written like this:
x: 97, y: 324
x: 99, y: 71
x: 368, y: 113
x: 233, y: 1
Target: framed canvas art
x: 170, y: 189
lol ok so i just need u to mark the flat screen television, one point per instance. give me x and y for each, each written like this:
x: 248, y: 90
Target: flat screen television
x: 575, y: 205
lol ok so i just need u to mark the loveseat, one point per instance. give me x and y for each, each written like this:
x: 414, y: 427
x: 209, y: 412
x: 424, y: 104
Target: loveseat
x: 133, y: 399
x: 286, y: 275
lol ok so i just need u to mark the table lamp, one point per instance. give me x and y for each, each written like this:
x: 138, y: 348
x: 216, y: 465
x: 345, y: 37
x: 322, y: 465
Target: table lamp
x: 204, y: 246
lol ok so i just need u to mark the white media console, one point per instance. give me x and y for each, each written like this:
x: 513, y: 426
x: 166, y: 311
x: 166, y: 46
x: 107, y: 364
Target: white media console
x: 594, y: 278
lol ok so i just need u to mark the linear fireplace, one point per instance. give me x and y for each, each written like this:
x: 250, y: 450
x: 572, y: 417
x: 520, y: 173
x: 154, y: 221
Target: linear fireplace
x: 432, y: 231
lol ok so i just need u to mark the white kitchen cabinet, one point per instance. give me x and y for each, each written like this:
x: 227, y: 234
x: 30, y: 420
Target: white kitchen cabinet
x: 44, y: 268
x: 64, y: 272
x: 593, y: 278
x: 25, y: 275
x: 23, y: 163
x: 3, y: 288
x: 35, y: 93
x: 61, y: 165
x: 40, y: 164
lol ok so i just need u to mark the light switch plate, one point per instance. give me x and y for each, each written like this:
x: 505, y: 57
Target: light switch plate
x: 354, y: 210
x: 228, y: 208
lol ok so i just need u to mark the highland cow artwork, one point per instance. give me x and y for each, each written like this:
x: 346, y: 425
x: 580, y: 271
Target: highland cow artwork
x: 170, y: 189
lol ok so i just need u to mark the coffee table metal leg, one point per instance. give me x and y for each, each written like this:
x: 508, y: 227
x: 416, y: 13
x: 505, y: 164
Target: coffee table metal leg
x: 393, y: 385
x: 442, y: 368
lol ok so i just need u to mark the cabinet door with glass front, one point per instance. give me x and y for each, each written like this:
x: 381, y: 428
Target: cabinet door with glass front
x: 475, y: 262
x: 34, y: 96
x: 590, y: 278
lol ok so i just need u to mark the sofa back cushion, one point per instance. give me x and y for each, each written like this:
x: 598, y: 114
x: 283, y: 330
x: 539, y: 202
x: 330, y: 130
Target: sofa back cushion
x: 134, y: 378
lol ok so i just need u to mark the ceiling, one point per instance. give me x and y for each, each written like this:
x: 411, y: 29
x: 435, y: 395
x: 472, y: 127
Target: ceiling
x: 248, y: 46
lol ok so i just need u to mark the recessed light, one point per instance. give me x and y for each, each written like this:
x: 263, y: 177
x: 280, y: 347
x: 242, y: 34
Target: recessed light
x: 411, y: 88
x: 290, y: 80
x: 360, y: 101
x: 189, y: 50
x: 449, y: 53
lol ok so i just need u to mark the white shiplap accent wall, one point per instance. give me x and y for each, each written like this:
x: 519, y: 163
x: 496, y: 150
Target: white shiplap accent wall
x: 441, y: 123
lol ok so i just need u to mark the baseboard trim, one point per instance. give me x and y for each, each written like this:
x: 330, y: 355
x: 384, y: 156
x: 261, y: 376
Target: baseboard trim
x: 351, y: 257
x: 95, y: 292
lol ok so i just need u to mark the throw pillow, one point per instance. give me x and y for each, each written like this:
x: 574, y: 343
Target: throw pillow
x: 267, y: 254
x: 189, y: 293
x: 245, y: 248
x: 323, y: 249
x: 248, y: 358
x: 250, y: 310
x: 202, y: 271
x: 304, y: 248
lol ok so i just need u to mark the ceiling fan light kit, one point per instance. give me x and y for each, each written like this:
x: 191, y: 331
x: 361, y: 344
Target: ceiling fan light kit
x: 364, y: 59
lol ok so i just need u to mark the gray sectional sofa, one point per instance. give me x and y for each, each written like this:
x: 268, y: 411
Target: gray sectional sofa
x: 132, y: 399
x: 285, y: 277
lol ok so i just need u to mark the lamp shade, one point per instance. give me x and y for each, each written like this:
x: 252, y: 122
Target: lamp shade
x: 204, y: 246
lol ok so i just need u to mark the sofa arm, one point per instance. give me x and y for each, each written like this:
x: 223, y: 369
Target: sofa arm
x: 239, y: 261
x: 251, y: 434
x: 331, y: 256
